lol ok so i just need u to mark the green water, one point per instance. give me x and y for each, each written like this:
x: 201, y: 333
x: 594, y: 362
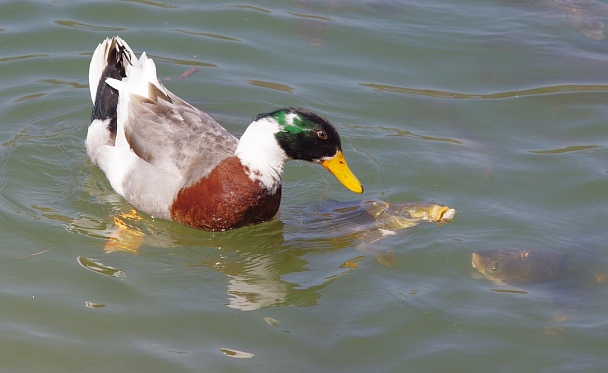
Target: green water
x: 495, y: 108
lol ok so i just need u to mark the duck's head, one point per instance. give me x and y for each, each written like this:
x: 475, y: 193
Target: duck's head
x: 296, y: 133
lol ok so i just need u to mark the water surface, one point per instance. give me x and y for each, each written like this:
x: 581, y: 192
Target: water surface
x: 494, y: 108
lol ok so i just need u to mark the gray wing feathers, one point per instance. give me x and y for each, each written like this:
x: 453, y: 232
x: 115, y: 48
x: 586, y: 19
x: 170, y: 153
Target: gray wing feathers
x: 165, y: 129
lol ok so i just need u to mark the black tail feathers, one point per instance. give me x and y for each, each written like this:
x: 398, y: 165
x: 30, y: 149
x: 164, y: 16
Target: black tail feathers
x: 106, y: 98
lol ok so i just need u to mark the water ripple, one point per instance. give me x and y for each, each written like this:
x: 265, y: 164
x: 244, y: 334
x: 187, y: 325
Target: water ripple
x: 176, y: 61
x: 153, y: 3
x: 405, y: 133
x: 251, y: 7
x: 84, y: 26
x: 29, y: 97
x: 566, y: 88
x: 63, y: 82
x: 25, y: 57
x: 567, y: 149
x: 270, y: 85
x: 207, y: 34
x: 96, y: 266
x: 236, y: 353
x: 301, y: 15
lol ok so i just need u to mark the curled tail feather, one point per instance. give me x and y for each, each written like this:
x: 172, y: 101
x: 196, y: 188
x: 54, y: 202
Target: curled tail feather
x: 112, y: 59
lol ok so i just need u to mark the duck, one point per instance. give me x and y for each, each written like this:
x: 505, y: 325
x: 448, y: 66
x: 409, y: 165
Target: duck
x: 172, y: 161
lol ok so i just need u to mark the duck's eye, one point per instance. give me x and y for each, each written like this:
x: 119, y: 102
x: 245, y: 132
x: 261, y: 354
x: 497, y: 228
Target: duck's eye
x: 322, y: 135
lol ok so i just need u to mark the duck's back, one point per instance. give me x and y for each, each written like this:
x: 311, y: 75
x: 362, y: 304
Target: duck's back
x: 164, y: 128
x: 149, y: 142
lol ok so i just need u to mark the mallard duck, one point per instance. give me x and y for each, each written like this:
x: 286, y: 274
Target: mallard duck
x: 173, y: 161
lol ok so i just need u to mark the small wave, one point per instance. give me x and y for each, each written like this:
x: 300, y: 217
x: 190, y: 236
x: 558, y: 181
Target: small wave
x: 567, y: 88
x: 84, y: 26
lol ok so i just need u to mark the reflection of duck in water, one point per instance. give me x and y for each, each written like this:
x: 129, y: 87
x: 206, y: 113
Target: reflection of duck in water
x: 267, y: 265
x: 173, y: 161
x: 333, y: 225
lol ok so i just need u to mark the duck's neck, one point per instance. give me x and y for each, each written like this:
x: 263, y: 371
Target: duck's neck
x: 260, y: 153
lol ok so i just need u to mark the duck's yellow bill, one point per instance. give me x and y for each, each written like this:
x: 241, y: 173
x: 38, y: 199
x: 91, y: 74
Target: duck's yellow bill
x: 338, y: 167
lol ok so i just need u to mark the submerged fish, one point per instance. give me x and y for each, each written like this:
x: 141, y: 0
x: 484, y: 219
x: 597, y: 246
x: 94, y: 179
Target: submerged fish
x: 363, y: 217
x: 400, y: 215
x: 371, y: 221
x: 567, y: 277
x: 526, y: 266
x: 583, y: 15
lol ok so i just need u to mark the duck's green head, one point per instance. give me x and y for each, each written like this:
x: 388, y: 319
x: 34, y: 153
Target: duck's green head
x: 307, y: 136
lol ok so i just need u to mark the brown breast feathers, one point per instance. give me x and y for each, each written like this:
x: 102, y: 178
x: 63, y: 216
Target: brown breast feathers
x: 226, y: 199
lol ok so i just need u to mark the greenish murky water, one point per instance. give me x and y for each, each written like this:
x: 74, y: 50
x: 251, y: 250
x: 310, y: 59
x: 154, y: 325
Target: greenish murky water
x: 495, y: 108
